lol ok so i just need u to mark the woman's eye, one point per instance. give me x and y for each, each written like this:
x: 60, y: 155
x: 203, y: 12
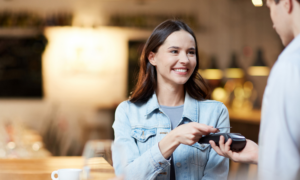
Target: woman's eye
x: 192, y: 52
x: 174, y: 51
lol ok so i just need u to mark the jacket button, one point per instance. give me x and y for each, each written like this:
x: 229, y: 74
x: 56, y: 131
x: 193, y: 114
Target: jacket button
x: 178, y: 164
x: 202, y: 146
x: 160, y: 163
x: 160, y: 112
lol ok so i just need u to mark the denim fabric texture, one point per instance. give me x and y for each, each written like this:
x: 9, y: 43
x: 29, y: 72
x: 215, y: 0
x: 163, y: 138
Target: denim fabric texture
x: 139, y: 127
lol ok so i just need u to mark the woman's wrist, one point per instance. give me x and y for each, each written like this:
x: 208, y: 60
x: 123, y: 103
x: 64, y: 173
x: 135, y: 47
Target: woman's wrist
x: 174, y: 138
x: 168, y: 144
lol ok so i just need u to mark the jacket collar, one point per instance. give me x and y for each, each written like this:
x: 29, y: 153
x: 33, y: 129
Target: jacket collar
x: 152, y: 104
x: 190, y: 108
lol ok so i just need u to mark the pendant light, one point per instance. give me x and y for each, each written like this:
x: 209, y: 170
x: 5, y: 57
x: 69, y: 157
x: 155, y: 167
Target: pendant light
x: 259, y: 68
x: 213, y: 72
x: 234, y: 71
x: 257, y: 3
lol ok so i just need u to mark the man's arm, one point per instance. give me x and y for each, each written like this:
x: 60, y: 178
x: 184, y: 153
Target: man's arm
x: 279, y: 137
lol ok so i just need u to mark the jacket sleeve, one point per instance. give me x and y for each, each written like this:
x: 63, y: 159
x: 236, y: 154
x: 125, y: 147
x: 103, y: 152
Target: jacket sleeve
x: 127, y: 160
x: 217, y: 166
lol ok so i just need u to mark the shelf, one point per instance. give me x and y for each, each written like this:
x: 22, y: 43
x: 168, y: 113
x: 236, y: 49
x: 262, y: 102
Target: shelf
x: 19, y: 32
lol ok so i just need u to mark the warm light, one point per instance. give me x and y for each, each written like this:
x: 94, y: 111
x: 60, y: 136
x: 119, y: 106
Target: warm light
x: 248, y: 87
x: 11, y: 145
x: 257, y: 3
x: 229, y: 85
x: 239, y: 93
x: 211, y: 74
x: 234, y: 73
x: 36, y: 146
x: 219, y: 94
x: 87, y: 66
x: 258, y: 71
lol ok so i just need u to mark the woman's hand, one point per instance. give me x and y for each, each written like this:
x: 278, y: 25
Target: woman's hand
x: 188, y: 134
x: 248, y: 155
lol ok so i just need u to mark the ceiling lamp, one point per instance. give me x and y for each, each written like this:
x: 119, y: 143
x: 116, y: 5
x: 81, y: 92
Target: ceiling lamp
x: 234, y: 71
x: 259, y: 68
x: 212, y: 72
x: 257, y: 3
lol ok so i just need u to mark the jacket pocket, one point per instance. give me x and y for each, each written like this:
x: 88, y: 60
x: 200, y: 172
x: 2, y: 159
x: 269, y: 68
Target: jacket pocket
x: 201, y: 147
x: 200, y: 154
x: 142, y: 134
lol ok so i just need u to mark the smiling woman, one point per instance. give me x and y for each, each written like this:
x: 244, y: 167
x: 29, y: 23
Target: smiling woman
x: 160, y: 126
x: 147, y: 79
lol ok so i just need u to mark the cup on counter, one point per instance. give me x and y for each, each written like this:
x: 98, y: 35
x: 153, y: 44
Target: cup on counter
x: 66, y: 174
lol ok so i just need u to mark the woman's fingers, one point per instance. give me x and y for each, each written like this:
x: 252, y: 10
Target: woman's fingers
x: 197, y: 137
x: 202, y: 128
x: 205, y: 129
x: 193, y: 132
x: 214, y: 130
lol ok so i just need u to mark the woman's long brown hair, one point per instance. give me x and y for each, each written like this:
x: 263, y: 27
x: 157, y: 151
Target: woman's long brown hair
x: 196, y: 87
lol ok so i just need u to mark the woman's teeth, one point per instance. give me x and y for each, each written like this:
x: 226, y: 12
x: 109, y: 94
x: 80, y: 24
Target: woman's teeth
x: 180, y: 70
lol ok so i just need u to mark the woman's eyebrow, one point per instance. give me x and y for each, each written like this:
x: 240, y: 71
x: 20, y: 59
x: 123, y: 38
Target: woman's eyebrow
x: 174, y: 47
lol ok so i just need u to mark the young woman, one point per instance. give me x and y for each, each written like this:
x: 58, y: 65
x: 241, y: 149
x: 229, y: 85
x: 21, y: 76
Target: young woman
x: 159, y: 127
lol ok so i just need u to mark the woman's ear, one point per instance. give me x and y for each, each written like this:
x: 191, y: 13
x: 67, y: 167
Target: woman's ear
x: 152, y: 59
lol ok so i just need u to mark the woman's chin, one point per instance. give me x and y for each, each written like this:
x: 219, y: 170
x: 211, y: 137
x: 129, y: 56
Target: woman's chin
x: 181, y: 82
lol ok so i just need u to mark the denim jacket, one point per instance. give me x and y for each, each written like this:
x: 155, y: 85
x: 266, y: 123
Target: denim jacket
x: 139, y: 127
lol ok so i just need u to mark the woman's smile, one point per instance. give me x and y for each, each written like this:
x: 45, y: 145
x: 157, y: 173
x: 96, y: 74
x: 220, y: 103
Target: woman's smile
x: 181, y: 71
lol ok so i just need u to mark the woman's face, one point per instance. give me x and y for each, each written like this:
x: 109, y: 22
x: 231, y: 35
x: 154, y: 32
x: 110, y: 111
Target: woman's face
x: 175, y: 60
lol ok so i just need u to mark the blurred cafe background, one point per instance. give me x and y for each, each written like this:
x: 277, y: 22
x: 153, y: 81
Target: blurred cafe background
x: 65, y: 65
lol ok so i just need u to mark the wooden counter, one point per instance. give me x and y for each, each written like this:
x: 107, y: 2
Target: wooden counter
x: 41, y: 169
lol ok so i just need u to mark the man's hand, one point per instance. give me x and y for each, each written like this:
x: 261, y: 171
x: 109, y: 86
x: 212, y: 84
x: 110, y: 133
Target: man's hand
x: 248, y: 155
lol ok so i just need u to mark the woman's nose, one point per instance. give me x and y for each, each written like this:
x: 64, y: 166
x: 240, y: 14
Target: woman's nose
x: 184, y: 58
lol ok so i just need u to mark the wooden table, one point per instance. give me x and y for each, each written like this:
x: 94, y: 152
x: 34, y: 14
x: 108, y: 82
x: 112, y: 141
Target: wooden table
x: 41, y: 169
